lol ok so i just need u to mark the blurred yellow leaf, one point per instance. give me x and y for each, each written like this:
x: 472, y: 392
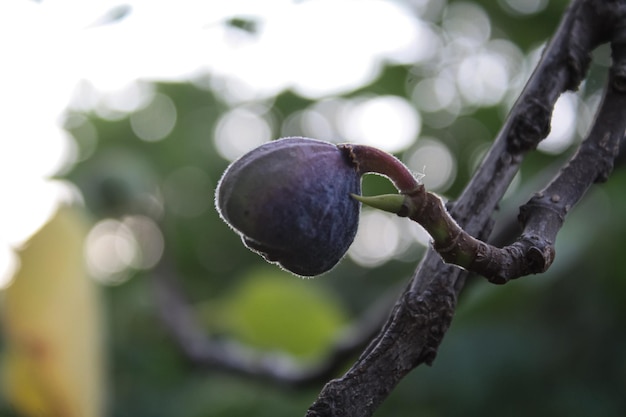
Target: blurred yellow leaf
x: 53, y: 359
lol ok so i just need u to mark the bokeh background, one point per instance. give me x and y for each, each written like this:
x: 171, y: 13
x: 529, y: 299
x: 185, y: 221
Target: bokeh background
x: 128, y: 112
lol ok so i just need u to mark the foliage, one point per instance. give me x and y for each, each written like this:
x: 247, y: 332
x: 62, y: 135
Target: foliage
x: 551, y: 344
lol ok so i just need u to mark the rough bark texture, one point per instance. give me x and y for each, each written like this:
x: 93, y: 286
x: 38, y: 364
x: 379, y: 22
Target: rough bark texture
x: 423, y: 313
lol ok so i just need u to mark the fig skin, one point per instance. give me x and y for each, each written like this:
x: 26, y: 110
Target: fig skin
x: 290, y: 201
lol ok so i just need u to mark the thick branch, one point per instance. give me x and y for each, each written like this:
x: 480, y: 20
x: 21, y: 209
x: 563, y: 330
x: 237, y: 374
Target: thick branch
x: 421, y: 317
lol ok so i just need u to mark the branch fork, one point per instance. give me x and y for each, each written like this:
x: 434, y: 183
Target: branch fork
x: 401, y: 344
x: 423, y: 312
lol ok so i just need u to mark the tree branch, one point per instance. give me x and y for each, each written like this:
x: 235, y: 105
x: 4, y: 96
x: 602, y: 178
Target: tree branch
x: 422, y: 315
x: 542, y: 216
x: 420, y: 318
x: 202, y: 350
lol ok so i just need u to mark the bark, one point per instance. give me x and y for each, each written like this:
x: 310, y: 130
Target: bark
x: 423, y: 313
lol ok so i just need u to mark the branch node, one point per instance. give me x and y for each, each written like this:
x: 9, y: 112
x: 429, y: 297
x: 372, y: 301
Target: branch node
x: 531, y: 124
x: 540, y: 257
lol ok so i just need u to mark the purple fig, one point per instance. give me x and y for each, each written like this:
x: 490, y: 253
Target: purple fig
x: 290, y: 201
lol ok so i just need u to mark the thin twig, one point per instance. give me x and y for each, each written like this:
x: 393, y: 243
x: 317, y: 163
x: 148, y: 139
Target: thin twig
x: 202, y: 350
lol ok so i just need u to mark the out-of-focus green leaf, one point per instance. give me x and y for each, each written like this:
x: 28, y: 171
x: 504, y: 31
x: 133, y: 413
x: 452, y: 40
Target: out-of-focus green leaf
x: 274, y: 310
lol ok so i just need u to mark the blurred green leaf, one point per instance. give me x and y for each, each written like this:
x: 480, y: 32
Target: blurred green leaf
x: 551, y: 344
x: 273, y: 310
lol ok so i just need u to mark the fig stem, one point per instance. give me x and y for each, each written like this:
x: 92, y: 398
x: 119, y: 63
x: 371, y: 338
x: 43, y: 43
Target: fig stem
x: 368, y: 159
x: 454, y: 245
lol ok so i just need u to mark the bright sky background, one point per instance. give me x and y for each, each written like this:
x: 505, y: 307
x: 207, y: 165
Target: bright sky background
x: 62, y: 53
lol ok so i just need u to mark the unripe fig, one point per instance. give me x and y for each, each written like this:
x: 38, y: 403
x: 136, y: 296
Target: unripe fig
x: 290, y: 201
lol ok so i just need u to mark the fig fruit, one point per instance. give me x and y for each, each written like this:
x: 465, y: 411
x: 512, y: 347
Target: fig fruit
x: 290, y: 201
